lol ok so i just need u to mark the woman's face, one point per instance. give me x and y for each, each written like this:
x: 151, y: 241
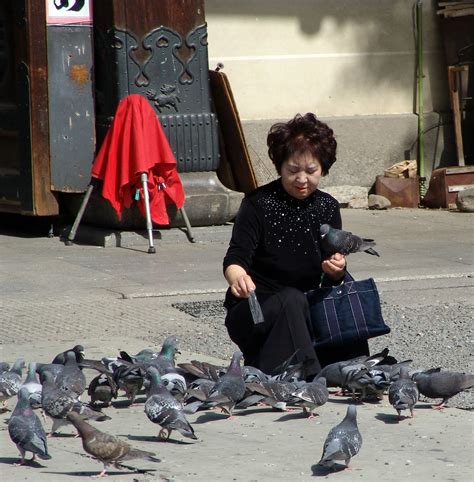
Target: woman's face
x: 300, y: 175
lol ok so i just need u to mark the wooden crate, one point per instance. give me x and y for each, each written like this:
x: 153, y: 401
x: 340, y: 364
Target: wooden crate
x: 401, y: 192
x: 445, y: 183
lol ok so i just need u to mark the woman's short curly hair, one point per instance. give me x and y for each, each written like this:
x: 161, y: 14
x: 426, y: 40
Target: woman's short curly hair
x: 302, y: 134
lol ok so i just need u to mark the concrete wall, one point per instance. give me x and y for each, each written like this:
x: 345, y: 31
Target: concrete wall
x: 350, y: 62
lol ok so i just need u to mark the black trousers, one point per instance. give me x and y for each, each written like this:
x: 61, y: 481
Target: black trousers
x: 286, y: 330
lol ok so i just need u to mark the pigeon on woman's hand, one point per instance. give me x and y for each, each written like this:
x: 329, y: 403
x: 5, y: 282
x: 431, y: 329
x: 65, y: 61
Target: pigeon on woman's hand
x: 339, y: 241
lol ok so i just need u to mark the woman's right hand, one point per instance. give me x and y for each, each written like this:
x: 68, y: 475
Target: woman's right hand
x: 241, y: 284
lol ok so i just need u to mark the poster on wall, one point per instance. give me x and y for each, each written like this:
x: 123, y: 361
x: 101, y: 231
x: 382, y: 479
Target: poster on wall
x: 66, y: 12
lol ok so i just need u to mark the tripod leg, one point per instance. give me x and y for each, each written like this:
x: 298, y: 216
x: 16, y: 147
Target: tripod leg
x: 72, y: 234
x: 188, y: 225
x: 149, y: 226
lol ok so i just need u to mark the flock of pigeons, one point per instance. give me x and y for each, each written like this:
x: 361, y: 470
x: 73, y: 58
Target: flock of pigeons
x: 176, y: 390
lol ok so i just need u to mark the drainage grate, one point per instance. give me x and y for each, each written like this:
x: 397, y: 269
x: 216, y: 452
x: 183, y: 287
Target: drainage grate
x: 202, y: 309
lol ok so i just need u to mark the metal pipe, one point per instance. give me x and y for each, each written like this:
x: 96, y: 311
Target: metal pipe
x: 146, y: 200
x: 420, y: 98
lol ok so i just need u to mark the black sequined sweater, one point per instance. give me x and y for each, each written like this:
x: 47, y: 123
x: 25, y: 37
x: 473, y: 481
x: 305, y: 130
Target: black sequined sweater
x: 276, y: 238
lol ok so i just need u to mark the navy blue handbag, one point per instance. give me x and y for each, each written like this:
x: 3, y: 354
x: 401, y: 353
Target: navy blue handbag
x: 346, y: 313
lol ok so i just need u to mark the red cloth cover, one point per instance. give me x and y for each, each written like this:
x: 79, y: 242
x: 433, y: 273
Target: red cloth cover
x: 136, y: 143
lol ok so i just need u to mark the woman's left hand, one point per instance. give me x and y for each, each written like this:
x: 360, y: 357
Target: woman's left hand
x: 334, y: 266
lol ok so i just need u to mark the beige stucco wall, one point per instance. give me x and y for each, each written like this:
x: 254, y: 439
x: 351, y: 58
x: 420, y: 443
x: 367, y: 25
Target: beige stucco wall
x: 335, y: 58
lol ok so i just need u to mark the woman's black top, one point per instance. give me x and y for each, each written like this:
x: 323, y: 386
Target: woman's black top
x: 276, y: 238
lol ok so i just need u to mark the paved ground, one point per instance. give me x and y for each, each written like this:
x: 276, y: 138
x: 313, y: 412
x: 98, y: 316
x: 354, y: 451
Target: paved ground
x: 54, y: 296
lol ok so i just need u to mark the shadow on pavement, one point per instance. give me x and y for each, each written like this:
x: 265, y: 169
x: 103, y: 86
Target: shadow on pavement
x: 16, y: 460
x: 151, y: 438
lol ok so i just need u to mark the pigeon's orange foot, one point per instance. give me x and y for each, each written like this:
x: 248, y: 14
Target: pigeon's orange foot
x: 102, y: 474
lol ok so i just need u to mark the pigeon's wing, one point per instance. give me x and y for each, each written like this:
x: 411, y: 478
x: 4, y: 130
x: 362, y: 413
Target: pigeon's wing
x: 87, y: 412
x: 447, y: 384
x: 29, y: 434
x: 200, y: 389
x: 71, y: 379
x: 349, y: 243
x: 192, y: 369
x: 230, y: 387
x: 158, y: 407
x: 105, y: 447
x: 167, y: 412
x: 314, y: 393
x: 9, y: 384
x: 57, y: 403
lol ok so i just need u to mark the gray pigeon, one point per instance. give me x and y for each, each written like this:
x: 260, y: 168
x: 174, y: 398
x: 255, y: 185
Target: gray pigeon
x: 4, y: 366
x: 25, y: 429
x: 57, y: 404
x: 33, y: 386
x: 333, y: 373
x: 70, y: 378
x: 277, y: 393
x: 442, y: 384
x: 230, y: 388
x: 106, y: 448
x: 165, y: 361
x: 54, y: 368
x: 312, y: 395
x: 162, y: 408
x: 339, y: 241
x: 343, y: 441
x: 403, y: 394
x: 10, y: 381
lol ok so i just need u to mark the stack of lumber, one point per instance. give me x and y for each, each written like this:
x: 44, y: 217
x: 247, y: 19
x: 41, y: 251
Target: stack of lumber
x: 455, y: 9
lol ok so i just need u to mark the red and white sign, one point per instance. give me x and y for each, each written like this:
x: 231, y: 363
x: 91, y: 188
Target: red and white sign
x: 64, y: 12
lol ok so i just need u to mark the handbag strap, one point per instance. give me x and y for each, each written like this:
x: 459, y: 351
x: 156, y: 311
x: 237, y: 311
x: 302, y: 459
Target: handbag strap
x: 332, y: 320
x: 357, y: 312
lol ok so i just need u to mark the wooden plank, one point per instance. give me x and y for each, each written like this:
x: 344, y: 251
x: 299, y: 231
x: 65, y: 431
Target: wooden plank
x: 456, y: 12
x: 44, y: 202
x: 449, y: 4
x: 455, y: 105
x: 236, y: 159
